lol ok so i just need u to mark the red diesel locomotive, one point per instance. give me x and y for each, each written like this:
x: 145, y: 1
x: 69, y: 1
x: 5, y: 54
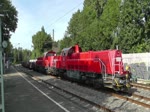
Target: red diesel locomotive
x: 44, y: 64
x: 100, y: 68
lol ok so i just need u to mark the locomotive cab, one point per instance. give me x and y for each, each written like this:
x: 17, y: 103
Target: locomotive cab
x: 69, y: 51
x: 50, y: 53
x: 43, y: 64
x: 48, y: 61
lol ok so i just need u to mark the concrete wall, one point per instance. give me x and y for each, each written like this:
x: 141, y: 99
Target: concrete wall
x: 139, y: 63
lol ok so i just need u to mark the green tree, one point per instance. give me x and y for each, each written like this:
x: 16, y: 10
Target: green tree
x: 9, y: 20
x: 14, y: 55
x: 107, y: 24
x: 132, y: 28
x: 104, y: 24
x: 9, y: 24
x: 41, y: 42
x: 26, y: 55
x: 93, y: 27
x: 19, y: 55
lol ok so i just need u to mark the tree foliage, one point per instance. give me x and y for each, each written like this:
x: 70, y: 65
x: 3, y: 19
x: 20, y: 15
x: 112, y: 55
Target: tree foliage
x: 104, y: 24
x: 18, y: 55
x: 132, y: 36
x: 9, y: 19
x: 41, y: 42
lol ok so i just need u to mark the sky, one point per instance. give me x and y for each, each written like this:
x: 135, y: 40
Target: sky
x: 33, y: 14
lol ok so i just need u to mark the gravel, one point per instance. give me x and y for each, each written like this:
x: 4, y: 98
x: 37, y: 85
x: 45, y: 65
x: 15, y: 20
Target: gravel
x: 98, y: 97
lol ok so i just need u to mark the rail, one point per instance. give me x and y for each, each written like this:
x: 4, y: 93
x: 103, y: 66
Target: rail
x: 68, y: 92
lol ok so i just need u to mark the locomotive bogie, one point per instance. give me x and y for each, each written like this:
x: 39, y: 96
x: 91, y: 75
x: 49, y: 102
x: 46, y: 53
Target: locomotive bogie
x: 74, y: 74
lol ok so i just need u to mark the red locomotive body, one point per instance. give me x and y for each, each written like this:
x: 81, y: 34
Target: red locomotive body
x: 108, y: 61
x: 102, y: 68
x: 43, y: 64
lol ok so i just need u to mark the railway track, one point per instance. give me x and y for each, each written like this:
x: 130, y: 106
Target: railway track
x: 141, y: 86
x: 105, y: 109
x: 134, y: 98
x: 130, y: 97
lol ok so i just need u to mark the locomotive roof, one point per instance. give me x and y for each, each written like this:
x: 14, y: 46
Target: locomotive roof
x: 65, y: 50
x: 70, y: 50
x: 48, y: 52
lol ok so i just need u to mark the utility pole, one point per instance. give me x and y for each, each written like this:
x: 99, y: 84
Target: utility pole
x: 117, y: 47
x: 53, y: 39
x: 2, y: 107
x: 53, y: 34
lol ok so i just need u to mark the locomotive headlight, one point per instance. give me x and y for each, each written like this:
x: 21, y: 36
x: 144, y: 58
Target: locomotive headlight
x: 121, y: 81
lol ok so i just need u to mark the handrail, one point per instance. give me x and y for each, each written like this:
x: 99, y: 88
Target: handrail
x: 103, y: 65
x: 114, y: 65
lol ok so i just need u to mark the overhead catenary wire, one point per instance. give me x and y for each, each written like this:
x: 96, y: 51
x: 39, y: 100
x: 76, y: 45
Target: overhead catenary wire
x: 61, y: 17
x: 65, y: 14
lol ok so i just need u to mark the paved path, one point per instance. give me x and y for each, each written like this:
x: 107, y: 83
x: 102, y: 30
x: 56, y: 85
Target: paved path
x: 20, y: 96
